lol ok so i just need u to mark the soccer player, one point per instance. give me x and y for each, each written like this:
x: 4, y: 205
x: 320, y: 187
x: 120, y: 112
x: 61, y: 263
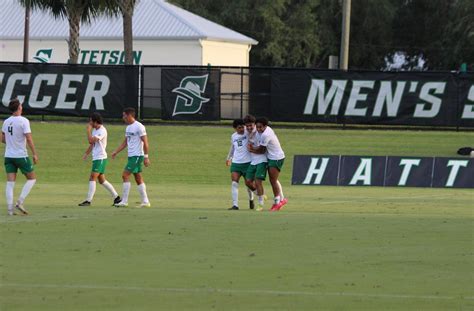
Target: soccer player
x: 239, y: 160
x: 16, y: 134
x: 257, y: 171
x: 97, y: 138
x: 137, y: 142
x: 269, y: 144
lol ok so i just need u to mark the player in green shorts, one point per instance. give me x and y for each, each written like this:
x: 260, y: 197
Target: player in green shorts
x: 97, y: 139
x: 239, y: 160
x: 136, y: 141
x: 16, y: 135
x: 270, y: 145
x: 257, y: 171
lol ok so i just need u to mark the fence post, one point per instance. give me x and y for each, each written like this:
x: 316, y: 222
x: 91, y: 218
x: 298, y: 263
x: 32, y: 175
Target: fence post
x: 241, y: 92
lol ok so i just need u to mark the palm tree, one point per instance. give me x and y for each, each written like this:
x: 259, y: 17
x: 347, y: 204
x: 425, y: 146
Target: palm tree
x: 127, y: 7
x: 76, y: 11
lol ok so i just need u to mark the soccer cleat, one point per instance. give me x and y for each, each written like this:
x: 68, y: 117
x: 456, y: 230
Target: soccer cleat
x: 277, y: 207
x: 85, y: 203
x: 147, y: 204
x: 121, y: 204
x: 251, y: 204
x: 233, y: 208
x: 117, y: 200
x: 20, y: 207
x: 259, y: 209
x: 11, y: 213
x: 274, y: 208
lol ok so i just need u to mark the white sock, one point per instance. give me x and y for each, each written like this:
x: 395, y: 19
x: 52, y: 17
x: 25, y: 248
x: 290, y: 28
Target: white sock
x: 250, y: 193
x: 108, y: 186
x: 90, y: 194
x: 261, y: 200
x: 235, y: 193
x: 126, y: 191
x: 26, y: 190
x: 9, y: 193
x: 277, y: 199
x: 281, y: 189
x: 142, y: 191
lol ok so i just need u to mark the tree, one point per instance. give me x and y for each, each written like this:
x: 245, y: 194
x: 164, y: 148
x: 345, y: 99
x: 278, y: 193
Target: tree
x: 126, y: 7
x: 76, y: 11
x: 287, y: 30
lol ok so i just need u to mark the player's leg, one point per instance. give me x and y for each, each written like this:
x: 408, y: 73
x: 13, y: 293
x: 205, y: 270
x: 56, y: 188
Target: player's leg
x: 126, y: 189
x: 250, y: 191
x: 250, y: 183
x: 260, y: 176
x: 108, y: 186
x: 92, y: 187
x: 274, y: 168
x: 26, y: 167
x: 11, y: 170
x: 235, y: 177
x: 142, y: 190
x: 133, y: 166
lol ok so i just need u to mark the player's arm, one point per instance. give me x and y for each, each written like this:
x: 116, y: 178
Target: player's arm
x: 90, y: 138
x: 120, y: 148
x: 257, y: 150
x: 228, y: 161
x: 3, y: 137
x: 144, y: 139
x: 88, y: 151
x: 31, y: 145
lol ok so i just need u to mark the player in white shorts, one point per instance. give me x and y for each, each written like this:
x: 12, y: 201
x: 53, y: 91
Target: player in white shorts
x: 16, y: 134
x: 97, y: 138
x: 136, y: 141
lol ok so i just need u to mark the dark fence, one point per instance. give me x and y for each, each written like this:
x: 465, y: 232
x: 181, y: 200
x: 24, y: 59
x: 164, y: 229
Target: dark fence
x: 69, y: 90
x: 306, y: 95
x: 434, y: 99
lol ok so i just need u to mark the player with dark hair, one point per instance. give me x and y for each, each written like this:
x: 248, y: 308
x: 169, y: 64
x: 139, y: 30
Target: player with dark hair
x: 136, y: 141
x: 239, y: 160
x: 16, y: 134
x: 97, y: 138
x: 257, y: 171
x: 270, y: 145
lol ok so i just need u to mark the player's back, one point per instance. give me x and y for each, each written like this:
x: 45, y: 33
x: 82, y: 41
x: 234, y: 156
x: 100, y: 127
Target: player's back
x: 15, y: 128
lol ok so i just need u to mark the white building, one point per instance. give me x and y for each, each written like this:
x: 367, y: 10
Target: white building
x: 164, y: 34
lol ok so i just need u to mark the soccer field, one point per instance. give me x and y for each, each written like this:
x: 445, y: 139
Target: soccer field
x: 329, y: 248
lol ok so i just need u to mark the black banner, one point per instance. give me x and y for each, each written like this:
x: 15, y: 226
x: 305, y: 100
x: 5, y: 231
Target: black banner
x: 69, y: 90
x: 190, y: 94
x: 391, y: 98
x: 383, y: 171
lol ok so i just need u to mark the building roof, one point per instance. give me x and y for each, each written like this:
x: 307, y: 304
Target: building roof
x: 152, y: 19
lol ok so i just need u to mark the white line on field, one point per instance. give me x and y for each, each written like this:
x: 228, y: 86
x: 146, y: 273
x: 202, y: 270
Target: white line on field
x: 21, y: 219
x: 237, y: 291
x: 384, y: 198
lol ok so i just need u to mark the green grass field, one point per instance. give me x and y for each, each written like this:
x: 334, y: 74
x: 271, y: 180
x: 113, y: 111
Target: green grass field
x: 330, y: 248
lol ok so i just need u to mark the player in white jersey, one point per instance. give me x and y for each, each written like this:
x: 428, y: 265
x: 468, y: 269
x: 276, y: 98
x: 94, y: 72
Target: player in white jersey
x: 137, y: 142
x: 16, y: 134
x: 270, y: 145
x: 239, y: 160
x: 257, y: 171
x: 97, y: 138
